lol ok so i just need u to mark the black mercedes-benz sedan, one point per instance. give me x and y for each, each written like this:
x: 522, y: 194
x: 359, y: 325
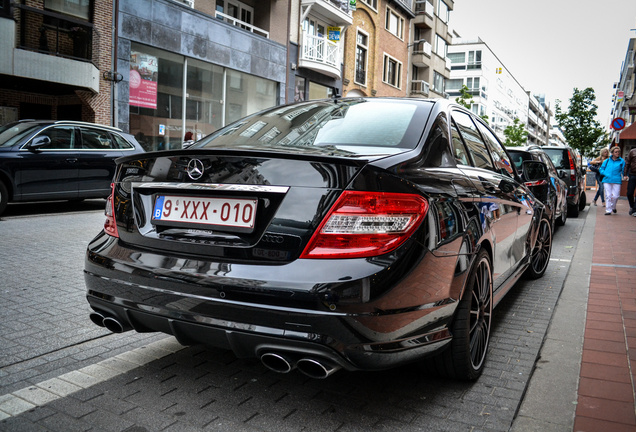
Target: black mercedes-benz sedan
x: 357, y: 233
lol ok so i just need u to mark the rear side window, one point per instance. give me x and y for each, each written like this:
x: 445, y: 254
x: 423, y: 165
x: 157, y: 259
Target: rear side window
x: 120, y: 143
x: 459, y: 150
x: 94, y: 139
x: 472, y: 138
x: 499, y: 156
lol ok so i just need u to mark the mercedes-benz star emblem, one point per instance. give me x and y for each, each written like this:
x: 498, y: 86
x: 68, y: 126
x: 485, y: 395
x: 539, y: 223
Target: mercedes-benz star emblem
x: 195, y: 169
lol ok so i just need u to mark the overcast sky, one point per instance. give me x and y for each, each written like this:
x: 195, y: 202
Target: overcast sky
x: 553, y: 46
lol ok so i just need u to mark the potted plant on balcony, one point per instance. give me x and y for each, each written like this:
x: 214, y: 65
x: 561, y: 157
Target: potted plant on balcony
x: 79, y: 35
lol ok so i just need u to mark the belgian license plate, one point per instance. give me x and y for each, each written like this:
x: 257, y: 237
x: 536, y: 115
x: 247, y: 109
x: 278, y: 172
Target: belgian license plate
x: 229, y: 212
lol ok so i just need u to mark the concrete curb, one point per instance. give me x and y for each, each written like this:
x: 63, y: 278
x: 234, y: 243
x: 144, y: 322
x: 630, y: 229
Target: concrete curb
x: 550, y: 400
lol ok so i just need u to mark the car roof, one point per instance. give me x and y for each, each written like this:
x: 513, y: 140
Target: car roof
x: 70, y: 123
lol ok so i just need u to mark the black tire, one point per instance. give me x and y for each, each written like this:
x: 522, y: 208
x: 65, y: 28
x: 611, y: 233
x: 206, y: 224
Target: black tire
x: 464, y: 359
x: 573, y: 210
x: 564, y: 216
x: 540, y: 257
x: 582, y: 201
x: 4, y: 197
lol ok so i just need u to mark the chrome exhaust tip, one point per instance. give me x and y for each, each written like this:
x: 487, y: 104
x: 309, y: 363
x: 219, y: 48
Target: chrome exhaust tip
x: 97, y: 318
x: 315, y: 368
x: 113, y: 325
x: 277, y: 362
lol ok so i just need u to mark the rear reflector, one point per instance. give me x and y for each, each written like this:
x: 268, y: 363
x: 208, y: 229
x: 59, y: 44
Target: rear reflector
x: 110, y: 226
x: 365, y: 224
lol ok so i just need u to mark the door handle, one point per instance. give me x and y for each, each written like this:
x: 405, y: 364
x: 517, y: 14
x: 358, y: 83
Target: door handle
x: 71, y: 160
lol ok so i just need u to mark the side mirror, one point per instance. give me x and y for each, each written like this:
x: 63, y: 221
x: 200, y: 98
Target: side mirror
x: 534, y: 171
x: 39, y: 141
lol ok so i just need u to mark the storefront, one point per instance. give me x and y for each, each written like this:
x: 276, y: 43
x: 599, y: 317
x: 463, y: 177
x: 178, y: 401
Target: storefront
x: 195, y: 74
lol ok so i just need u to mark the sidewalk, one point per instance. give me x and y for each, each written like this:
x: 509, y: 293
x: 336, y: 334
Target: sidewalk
x: 606, y: 388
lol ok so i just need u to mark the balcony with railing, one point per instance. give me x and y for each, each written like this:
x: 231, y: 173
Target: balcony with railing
x: 422, y: 54
x: 51, y: 47
x: 425, y: 13
x: 420, y: 87
x: 319, y: 54
x: 241, y: 24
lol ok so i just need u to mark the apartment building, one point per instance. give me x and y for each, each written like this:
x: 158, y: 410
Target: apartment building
x: 495, y: 91
x: 376, y: 57
x: 430, y: 66
x: 539, y: 114
x: 53, y: 59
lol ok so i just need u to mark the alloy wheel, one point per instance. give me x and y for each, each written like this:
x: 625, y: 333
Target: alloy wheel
x: 480, y: 314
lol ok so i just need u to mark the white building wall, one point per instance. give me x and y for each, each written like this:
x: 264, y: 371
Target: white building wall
x: 501, y: 96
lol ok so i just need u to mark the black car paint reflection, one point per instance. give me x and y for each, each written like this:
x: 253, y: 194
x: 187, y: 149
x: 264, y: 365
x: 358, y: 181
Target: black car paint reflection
x: 252, y: 293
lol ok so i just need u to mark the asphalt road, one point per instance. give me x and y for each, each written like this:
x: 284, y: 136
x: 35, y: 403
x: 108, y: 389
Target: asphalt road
x: 60, y: 372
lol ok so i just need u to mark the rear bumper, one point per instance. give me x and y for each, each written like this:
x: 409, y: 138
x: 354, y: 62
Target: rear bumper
x: 233, y: 307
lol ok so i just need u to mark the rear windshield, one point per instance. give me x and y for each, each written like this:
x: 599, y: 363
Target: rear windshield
x: 559, y: 157
x: 518, y: 157
x: 346, y: 123
x: 14, y: 132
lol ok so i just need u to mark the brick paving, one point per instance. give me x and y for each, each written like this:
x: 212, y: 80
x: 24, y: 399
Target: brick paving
x: 606, y: 399
x: 210, y: 389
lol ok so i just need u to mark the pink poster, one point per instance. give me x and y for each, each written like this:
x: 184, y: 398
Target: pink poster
x: 144, y: 70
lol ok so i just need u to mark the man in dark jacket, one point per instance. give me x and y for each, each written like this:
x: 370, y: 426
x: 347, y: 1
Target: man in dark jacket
x: 630, y: 171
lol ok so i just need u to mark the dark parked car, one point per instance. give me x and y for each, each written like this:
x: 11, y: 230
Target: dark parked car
x: 553, y: 192
x: 349, y: 233
x: 59, y: 160
x: 571, y: 171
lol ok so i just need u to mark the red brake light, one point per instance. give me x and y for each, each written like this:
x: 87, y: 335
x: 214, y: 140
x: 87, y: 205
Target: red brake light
x: 365, y: 224
x: 572, y: 167
x: 110, y: 226
x: 536, y: 183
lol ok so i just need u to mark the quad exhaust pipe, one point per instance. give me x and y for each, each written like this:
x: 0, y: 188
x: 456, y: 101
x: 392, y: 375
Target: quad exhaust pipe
x: 111, y: 323
x: 314, y: 368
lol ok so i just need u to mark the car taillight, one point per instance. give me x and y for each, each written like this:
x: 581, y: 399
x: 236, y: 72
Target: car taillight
x: 536, y: 183
x: 110, y: 226
x: 365, y: 224
x: 572, y: 168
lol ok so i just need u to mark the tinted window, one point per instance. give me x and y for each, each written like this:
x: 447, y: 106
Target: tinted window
x: 518, y: 157
x: 544, y: 158
x: 94, y: 139
x: 499, y: 156
x: 62, y: 138
x: 437, y: 150
x: 120, y: 143
x: 358, y: 122
x: 557, y: 158
x: 459, y: 150
x: 472, y: 138
x: 12, y: 133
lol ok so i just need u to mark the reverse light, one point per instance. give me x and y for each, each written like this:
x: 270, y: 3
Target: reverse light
x: 365, y: 224
x: 110, y: 226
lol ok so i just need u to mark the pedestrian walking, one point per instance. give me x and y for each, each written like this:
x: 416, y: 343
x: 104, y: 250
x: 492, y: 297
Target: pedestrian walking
x: 612, y: 171
x: 630, y: 173
x: 596, y: 163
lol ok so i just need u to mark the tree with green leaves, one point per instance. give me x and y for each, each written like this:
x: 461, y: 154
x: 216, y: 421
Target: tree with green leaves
x: 516, y: 134
x: 581, y: 129
x: 466, y: 100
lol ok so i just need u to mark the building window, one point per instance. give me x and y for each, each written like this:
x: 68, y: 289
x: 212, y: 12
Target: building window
x: 474, y: 59
x: 440, y: 46
x: 392, y: 71
x: 371, y: 3
x: 442, y: 11
x: 454, y: 85
x: 438, y: 83
x: 473, y: 84
x: 78, y: 8
x: 362, y: 46
x: 394, y: 23
x: 235, y: 9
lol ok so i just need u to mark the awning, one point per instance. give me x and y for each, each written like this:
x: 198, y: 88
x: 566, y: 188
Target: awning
x: 629, y: 132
